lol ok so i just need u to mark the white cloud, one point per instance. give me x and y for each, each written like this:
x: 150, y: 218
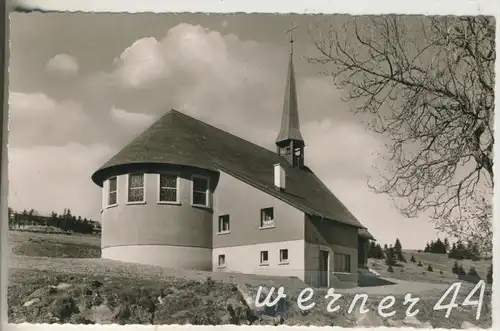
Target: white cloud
x: 141, y: 63
x: 237, y: 85
x: 64, y: 64
x: 133, y: 121
x: 35, y: 118
x: 51, y: 178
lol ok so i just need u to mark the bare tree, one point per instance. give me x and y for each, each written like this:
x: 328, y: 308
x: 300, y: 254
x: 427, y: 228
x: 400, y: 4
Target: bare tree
x: 428, y: 83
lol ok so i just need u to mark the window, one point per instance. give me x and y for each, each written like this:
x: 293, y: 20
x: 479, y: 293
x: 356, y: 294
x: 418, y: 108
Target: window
x: 223, y: 223
x: 267, y: 218
x: 168, y: 188
x: 283, y: 255
x: 342, y: 262
x: 135, y: 188
x: 112, y: 191
x: 200, y: 191
x: 264, y: 257
x: 222, y: 261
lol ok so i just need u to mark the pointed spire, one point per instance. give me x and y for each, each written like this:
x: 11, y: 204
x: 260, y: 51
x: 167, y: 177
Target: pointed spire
x: 290, y: 127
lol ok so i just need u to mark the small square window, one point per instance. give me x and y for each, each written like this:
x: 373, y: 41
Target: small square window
x: 222, y: 260
x: 283, y: 255
x: 224, y: 223
x: 342, y: 262
x: 267, y: 217
x: 264, y: 257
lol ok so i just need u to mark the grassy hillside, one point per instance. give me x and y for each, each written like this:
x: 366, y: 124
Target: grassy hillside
x: 56, y: 279
x: 438, y: 262
x: 27, y: 243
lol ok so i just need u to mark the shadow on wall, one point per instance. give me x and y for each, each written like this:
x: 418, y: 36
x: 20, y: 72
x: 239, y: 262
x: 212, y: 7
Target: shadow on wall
x: 370, y: 281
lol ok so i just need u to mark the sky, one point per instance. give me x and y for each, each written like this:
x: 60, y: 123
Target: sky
x: 83, y: 85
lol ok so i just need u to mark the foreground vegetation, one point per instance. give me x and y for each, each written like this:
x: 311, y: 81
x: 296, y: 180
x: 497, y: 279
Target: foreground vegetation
x: 56, y: 278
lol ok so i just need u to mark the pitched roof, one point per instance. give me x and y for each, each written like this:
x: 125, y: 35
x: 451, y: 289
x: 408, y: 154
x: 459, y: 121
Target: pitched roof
x: 290, y: 126
x: 365, y: 234
x: 177, y: 138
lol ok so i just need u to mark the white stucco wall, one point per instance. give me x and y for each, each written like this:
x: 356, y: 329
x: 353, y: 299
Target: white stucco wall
x: 162, y: 255
x: 336, y: 279
x: 246, y: 259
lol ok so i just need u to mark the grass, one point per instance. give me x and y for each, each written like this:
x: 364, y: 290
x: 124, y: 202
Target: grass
x: 439, y: 262
x: 104, y: 291
x: 54, y: 245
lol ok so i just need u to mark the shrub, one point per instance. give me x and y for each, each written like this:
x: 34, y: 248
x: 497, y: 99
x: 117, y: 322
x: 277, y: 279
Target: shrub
x: 390, y: 269
x: 389, y: 257
x: 461, y: 271
x: 63, y: 307
x: 489, y: 275
x: 472, y: 272
x: 429, y: 268
x: 413, y: 259
x: 455, y: 268
x: 420, y: 264
x: 441, y: 272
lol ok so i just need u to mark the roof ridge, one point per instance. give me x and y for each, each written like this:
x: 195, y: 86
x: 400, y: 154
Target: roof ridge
x: 217, y: 128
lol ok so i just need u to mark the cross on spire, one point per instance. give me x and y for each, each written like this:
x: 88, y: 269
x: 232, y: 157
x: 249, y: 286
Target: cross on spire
x: 290, y: 35
x: 289, y: 142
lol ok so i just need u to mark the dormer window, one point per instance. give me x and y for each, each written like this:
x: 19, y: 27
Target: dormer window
x: 200, y: 191
x: 135, y: 188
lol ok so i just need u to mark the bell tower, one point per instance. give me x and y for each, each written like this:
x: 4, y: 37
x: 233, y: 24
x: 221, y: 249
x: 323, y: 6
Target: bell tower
x: 289, y: 142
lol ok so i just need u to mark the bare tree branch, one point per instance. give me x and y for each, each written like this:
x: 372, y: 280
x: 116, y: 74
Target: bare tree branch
x: 430, y: 88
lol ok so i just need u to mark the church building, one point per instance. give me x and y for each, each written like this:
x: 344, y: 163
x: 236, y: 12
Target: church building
x: 185, y: 194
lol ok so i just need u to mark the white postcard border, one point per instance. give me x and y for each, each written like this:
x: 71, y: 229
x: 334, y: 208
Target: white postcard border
x: 356, y: 7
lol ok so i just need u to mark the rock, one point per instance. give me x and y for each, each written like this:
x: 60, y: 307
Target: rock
x: 267, y: 320
x: 412, y: 321
x: 395, y: 323
x: 100, y: 314
x: 30, y: 302
x: 426, y: 325
x: 42, y: 292
x: 62, y: 286
x: 246, y: 295
x: 368, y: 319
x: 468, y: 325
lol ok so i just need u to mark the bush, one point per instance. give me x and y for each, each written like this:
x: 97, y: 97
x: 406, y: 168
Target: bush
x: 63, y: 307
x: 429, y: 268
x: 420, y: 264
x: 390, y: 269
x: 389, y: 257
x: 455, y: 268
x: 461, y: 271
x: 441, y: 272
x: 489, y: 275
x: 413, y: 259
x: 472, y: 272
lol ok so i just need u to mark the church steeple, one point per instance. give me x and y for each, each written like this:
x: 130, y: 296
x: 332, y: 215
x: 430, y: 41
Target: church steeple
x: 289, y: 142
